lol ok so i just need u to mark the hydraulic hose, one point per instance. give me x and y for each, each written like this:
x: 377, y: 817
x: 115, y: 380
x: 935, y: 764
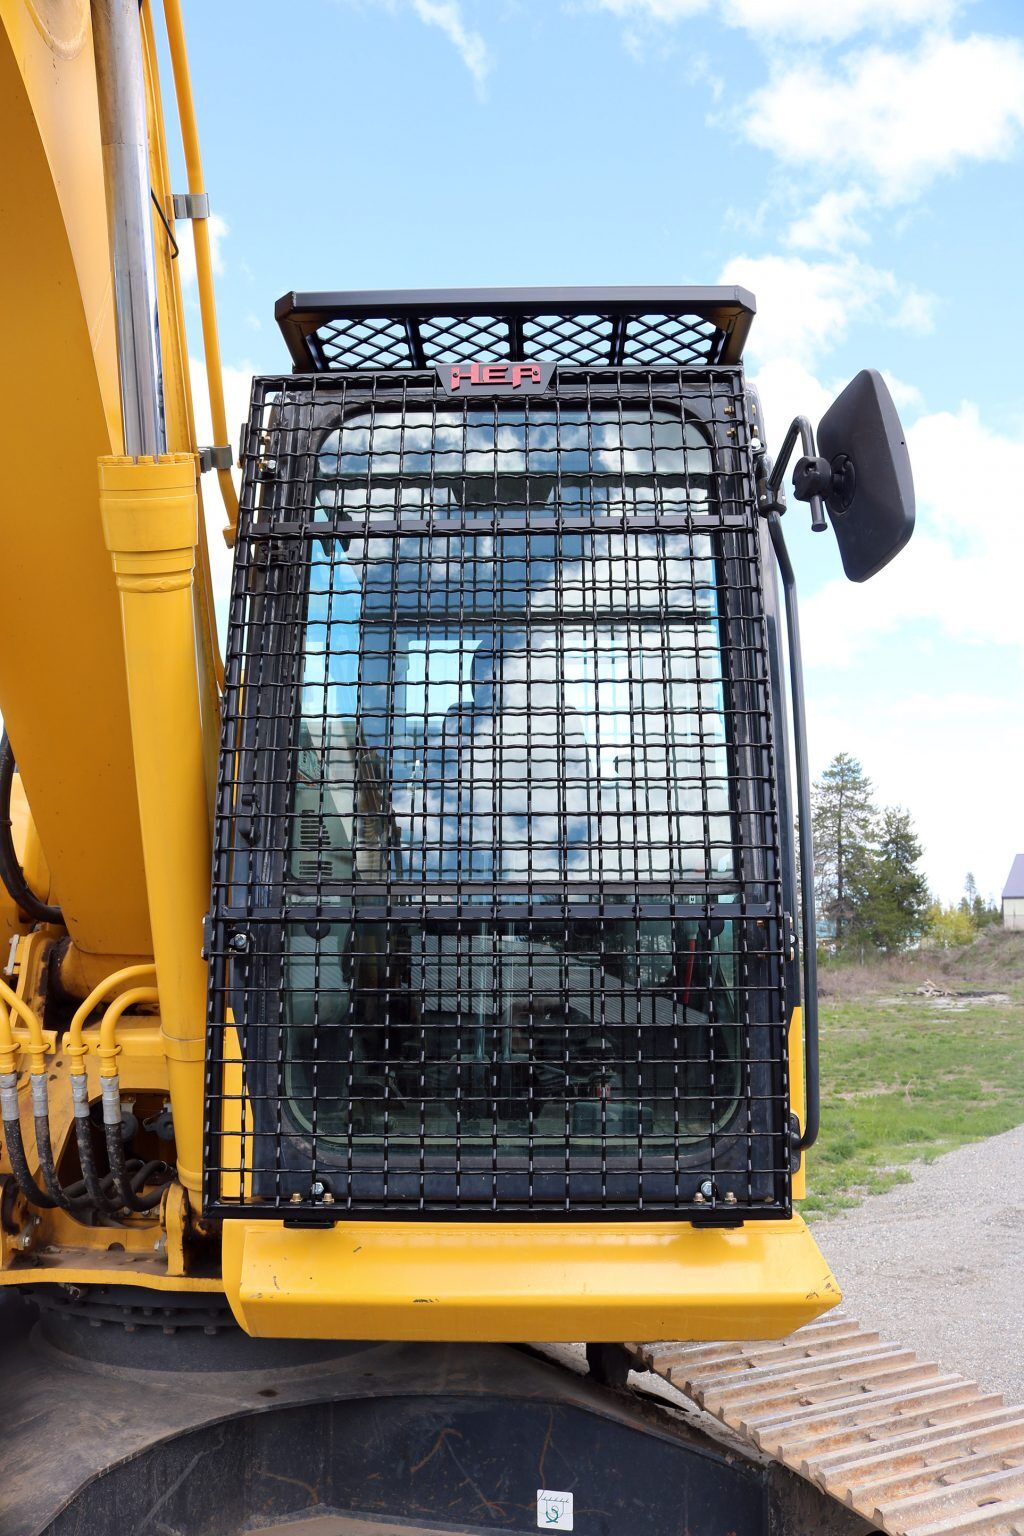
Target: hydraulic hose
x: 53, y: 1195
x: 76, y: 1205
x: 107, y: 1051
x: 11, y: 872
x: 125, y: 1184
x: 11, y: 1116
x: 97, y: 1186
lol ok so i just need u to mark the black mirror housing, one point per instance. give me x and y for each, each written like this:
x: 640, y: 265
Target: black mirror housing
x: 870, y: 498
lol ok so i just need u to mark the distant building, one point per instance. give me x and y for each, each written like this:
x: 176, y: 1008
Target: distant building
x: 1013, y: 895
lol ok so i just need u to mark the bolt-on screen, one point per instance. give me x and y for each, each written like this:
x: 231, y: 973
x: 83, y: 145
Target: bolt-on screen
x: 518, y: 962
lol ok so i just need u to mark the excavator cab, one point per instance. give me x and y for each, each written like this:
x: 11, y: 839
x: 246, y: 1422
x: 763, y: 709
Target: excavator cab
x: 504, y: 936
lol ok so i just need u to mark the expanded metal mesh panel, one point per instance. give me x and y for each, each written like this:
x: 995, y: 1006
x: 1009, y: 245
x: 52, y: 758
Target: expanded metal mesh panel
x: 376, y: 342
x: 653, y: 340
x: 457, y: 339
x: 496, y: 924
x: 579, y: 340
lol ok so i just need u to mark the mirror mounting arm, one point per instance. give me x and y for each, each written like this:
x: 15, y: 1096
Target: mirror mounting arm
x: 807, y: 486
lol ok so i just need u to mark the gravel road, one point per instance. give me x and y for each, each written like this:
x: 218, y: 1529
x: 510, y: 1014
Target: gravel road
x: 938, y: 1264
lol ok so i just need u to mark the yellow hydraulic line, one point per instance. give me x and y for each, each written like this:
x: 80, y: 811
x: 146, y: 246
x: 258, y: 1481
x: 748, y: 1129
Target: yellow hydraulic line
x: 107, y: 1048
x: 176, y: 362
x: 204, y: 259
x: 8, y: 1044
x: 37, y: 1040
x: 76, y: 1048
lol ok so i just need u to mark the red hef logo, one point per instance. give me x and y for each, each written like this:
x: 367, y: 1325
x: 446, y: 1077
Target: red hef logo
x: 495, y: 378
x: 504, y: 375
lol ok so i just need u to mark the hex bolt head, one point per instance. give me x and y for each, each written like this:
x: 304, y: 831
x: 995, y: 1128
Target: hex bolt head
x: 296, y: 1198
x: 239, y: 943
x: 317, y: 1189
x: 707, y: 1189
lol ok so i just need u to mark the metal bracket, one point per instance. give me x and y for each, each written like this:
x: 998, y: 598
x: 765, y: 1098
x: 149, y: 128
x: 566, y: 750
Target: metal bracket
x: 216, y: 458
x: 773, y: 500
x: 191, y: 205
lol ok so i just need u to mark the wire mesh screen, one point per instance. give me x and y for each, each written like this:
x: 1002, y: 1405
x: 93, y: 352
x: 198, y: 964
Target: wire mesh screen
x: 384, y: 341
x: 496, y: 924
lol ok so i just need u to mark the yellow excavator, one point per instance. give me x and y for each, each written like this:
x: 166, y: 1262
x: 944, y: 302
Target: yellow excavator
x: 431, y: 979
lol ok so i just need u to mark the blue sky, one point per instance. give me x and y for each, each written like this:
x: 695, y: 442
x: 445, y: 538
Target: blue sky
x: 858, y: 165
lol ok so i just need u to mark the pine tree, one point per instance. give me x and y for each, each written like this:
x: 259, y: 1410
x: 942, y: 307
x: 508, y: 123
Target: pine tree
x: 844, y: 828
x: 893, y: 911
x: 972, y: 902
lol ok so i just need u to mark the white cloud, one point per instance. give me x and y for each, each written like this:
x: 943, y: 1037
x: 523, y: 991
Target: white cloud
x: 953, y: 760
x: 960, y: 574
x: 654, y: 10
x: 907, y: 397
x: 447, y: 16
x: 950, y: 599
x: 838, y: 19
x: 805, y: 308
x: 219, y: 231
x: 831, y: 223
x: 898, y: 119
x: 470, y: 45
x: 765, y: 18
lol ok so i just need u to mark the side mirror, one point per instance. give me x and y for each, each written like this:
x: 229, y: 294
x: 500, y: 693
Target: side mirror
x: 863, y: 476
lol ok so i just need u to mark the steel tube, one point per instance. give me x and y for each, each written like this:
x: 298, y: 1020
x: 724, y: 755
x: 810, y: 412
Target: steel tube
x: 121, y: 86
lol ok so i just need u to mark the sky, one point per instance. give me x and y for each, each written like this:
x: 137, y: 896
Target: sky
x: 858, y: 165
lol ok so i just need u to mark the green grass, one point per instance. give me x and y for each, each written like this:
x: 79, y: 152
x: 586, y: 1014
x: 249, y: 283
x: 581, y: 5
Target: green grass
x: 905, y: 1080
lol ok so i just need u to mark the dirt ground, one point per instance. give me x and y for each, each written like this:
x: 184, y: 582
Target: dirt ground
x: 938, y: 1264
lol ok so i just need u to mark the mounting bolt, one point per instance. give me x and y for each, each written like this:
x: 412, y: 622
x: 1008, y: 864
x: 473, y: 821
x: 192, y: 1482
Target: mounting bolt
x: 317, y: 1190
x: 730, y: 1197
x: 240, y: 942
x: 698, y: 1198
x: 23, y: 1240
x: 707, y: 1189
x: 296, y: 1198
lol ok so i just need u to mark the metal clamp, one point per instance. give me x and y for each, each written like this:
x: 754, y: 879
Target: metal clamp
x: 191, y: 205
x: 215, y: 458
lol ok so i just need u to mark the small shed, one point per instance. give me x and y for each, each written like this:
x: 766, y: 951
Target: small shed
x: 1013, y: 895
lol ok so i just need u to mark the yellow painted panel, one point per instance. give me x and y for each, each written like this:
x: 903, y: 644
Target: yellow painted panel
x: 79, y: 1269
x: 63, y: 694
x: 517, y: 1281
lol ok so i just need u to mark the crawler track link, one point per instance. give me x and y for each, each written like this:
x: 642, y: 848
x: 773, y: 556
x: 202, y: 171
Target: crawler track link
x: 912, y: 1448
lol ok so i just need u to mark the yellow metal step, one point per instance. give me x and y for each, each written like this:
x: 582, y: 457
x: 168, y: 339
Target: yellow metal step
x: 519, y: 1282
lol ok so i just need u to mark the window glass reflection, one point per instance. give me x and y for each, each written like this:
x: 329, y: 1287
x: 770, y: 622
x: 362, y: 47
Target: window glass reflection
x: 495, y: 715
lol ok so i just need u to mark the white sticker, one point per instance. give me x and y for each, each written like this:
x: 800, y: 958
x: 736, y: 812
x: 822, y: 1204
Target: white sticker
x: 554, y: 1510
